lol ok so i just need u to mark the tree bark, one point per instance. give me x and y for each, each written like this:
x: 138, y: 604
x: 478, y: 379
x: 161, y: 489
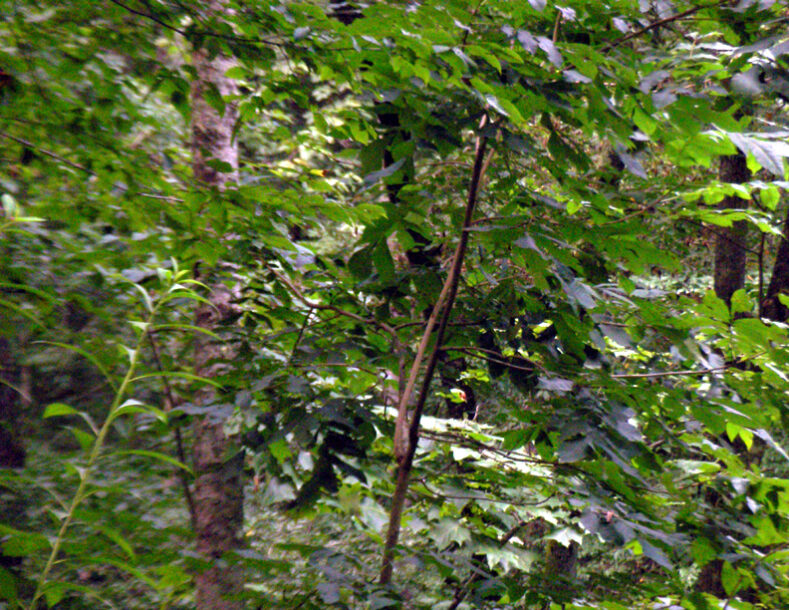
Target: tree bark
x: 772, y: 308
x: 218, y: 492
x: 407, y: 429
x: 730, y: 249
x: 730, y: 242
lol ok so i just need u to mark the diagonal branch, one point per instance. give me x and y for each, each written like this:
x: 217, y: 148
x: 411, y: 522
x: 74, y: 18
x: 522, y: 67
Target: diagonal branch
x: 186, y: 33
x: 74, y: 165
x: 659, y: 22
x: 46, y: 152
x: 405, y: 447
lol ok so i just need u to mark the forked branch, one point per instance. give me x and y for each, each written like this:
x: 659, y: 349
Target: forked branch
x: 407, y: 429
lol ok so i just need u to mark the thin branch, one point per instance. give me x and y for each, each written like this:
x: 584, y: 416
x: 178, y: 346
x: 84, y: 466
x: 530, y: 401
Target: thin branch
x: 313, y: 305
x: 659, y: 22
x: 556, y: 26
x: 43, y: 151
x: 187, y: 34
x: 75, y: 165
x: 761, y: 274
x: 437, y: 495
x: 300, y: 336
x: 686, y: 372
x: 179, y: 442
x: 477, y: 352
x: 717, y: 233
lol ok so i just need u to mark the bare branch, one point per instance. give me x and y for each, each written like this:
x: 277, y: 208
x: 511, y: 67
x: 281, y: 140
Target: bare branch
x: 659, y: 22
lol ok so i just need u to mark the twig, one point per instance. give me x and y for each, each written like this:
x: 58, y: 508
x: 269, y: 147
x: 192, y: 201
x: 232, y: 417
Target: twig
x: 81, y: 168
x: 46, y: 152
x: 186, y: 34
x: 761, y: 275
x: 437, y: 495
x: 299, y: 336
x: 659, y: 22
x: 685, y: 372
x: 313, y: 305
x: 179, y: 443
x: 475, y: 352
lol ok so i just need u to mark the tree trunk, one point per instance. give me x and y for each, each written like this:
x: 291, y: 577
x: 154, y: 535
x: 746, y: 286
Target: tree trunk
x: 730, y: 248
x: 218, y: 493
x: 730, y: 242
x: 710, y: 581
x: 772, y: 308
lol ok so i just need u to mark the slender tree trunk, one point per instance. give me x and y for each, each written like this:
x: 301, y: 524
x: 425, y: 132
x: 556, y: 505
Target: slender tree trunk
x: 218, y: 493
x: 730, y: 249
x: 730, y: 242
x: 772, y: 308
x: 407, y: 428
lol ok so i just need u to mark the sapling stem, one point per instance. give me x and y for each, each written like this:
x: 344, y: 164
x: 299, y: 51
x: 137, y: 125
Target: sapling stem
x: 95, y: 453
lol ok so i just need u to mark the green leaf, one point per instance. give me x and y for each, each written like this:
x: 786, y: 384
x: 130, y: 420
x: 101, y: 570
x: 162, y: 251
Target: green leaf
x: 655, y: 554
x: 769, y: 197
x: 280, y: 450
x: 493, y: 102
x: 386, y: 172
x: 84, y: 439
x: 10, y: 206
x: 769, y: 154
x: 448, y: 531
x: 162, y: 457
x: 702, y: 551
x: 8, y: 591
x: 740, y: 302
x: 87, y: 355
x: 145, y: 297
x: 141, y: 326
x: 186, y: 327
x: 118, y: 539
x: 384, y: 264
x: 132, y: 406
x: 58, y: 408
x: 730, y: 579
x: 54, y: 592
x: 178, y: 375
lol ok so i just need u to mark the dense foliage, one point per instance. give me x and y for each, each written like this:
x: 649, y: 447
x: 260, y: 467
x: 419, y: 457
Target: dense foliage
x: 523, y: 195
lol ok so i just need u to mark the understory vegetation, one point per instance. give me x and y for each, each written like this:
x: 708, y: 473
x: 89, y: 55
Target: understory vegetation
x: 438, y: 304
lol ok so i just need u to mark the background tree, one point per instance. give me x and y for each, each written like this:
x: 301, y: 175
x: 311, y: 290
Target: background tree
x: 218, y: 489
x: 614, y: 391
